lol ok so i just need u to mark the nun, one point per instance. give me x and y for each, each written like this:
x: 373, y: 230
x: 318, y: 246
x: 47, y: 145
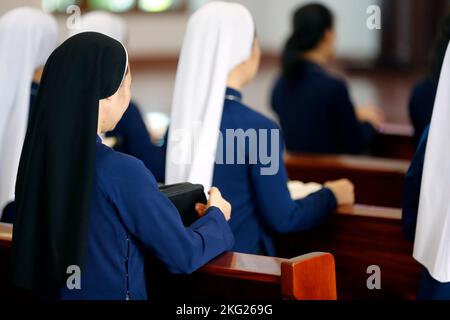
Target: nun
x: 84, y: 208
x: 423, y: 95
x: 27, y: 38
x: 131, y: 133
x: 220, y: 55
x: 314, y: 107
x: 426, y: 211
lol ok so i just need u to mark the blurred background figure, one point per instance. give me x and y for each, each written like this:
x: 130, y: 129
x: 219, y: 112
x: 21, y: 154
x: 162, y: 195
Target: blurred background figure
x: 422, y: 98
x: 27, y: 38
x: 314, y: 107
x: 219, y: 107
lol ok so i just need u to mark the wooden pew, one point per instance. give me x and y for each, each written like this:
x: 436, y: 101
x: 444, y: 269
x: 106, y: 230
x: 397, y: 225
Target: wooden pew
x: 359, y: 237
x: 394, y: 141
x: 5, y: 244
x: 377, y: 181
x: 230, y: 276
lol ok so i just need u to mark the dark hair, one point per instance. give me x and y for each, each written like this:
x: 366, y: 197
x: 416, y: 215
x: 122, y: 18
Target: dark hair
x: 310, y: 23
x: 440, y: 48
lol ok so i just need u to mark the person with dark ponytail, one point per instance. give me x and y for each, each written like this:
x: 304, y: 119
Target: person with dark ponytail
x: 422, y: 98
x: 314, y: 108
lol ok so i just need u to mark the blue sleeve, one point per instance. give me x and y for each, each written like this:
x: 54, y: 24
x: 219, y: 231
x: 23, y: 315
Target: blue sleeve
x: 135, y: 140
x: 354, y: 136
x: 150, y: 217
x: 411, y: 190
x: 280, y: 213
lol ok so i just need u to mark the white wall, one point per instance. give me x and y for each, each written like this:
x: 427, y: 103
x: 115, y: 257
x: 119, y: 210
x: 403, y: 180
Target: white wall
x: 156, y: 35
x: 355, y: 40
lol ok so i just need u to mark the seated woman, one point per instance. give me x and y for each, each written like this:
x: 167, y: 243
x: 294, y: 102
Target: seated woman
x: 82, y: 207
x: 131, y: 133
x: 215, y: 139
x: 27, y: 37
x: 314, y: 108
x: 422, y: 98
x: 426, y: 219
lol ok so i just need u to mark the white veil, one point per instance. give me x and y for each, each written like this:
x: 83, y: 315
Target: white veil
x: 432, y: 245
x: 219, y: 37
x: 27, y: 38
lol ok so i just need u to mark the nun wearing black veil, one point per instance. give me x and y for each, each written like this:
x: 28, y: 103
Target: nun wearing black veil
x: 82, y: 206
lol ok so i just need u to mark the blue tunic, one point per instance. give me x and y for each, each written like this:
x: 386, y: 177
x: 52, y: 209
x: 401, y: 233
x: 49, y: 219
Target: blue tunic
x: 262, y: 205
x: 421, y: 106
x: 317, y: 115
x: 430, y: 289
x: 130, y: 218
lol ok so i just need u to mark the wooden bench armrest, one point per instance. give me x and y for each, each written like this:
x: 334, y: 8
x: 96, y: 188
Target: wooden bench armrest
x: 245, y: 266
x: 309, y: 277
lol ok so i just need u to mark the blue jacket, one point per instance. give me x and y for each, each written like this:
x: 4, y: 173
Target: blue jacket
x: 131, y: 218
x: 317, y: 115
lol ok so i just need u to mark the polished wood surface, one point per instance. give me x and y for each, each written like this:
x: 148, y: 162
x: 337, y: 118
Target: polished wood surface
x: 5, y: 235
x: 309, y: 277
x: 377, y: 181
x: 229, y: 276
x: 244, y: 266
x: 360, y: 237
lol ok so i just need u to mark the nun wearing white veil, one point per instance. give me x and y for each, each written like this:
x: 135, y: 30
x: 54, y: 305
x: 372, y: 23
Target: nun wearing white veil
x: 27, y: 37
x: 432, y: 238
x: 131, y: 132
x: 220, y: 55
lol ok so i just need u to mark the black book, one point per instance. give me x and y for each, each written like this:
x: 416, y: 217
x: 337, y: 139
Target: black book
x: 185, y: 196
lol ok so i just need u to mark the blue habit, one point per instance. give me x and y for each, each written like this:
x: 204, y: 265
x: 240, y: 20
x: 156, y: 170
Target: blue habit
x: 317, y: 115
x: 130, y: 218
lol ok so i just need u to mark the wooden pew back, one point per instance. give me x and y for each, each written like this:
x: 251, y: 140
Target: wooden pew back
x: 394, y: 141
x: 360, y: 237
x: 377, y: 181
x: 230, y: 276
